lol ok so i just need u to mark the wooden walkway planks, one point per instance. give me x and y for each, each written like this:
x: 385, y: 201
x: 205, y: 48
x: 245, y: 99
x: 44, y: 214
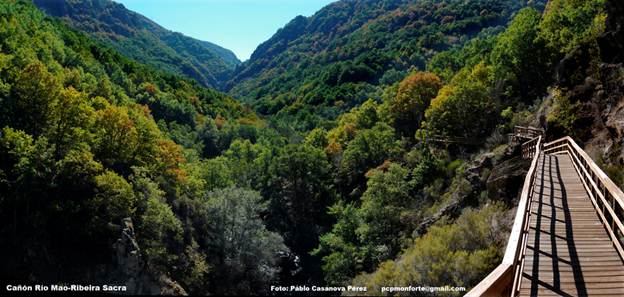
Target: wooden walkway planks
x: 569, y: 253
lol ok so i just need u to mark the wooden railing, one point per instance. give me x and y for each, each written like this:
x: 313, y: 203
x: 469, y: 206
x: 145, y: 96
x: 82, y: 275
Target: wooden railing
x: 505, y: 279
x: 607, y: 198
x: 521, y: 134
x: 530, y: 148
x: 453, y: 140
x: 530, y: 132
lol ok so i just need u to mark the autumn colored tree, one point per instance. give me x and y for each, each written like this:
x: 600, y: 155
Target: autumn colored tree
x: 116, y: 137
x: 35, y: 92
x: 413, y: 96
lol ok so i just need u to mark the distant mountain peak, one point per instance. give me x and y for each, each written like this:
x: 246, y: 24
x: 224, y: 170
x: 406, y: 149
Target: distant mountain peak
x: 322, y: 65
x: 142, y: 39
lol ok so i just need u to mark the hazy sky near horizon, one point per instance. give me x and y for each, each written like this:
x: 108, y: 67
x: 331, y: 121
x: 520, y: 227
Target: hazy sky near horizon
x: 238, y: 25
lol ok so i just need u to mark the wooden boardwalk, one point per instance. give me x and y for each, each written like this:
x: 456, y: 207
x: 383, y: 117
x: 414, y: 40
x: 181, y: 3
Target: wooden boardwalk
x: 568, y: 234
x: 568, y: 252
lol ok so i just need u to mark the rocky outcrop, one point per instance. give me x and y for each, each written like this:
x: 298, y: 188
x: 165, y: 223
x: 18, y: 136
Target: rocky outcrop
x: 506, y: 179
x: 593, y: 74
x: 460, y: 198
x: 127, y: 252
x: 134, y: 273
x: 488, y: 171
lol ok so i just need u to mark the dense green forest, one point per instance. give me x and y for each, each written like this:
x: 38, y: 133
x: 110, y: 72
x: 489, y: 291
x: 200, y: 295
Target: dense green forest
x: 316, y: 68
x: 112, y: 171
x: 141, y: 39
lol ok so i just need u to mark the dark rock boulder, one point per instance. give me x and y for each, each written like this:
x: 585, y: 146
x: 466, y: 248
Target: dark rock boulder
x: 506, y: 179
x: 612, y: 41
x: 572, y: 69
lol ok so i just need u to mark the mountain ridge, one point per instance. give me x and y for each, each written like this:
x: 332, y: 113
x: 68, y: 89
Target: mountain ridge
x: 340, y: 56
x: 144, y: 40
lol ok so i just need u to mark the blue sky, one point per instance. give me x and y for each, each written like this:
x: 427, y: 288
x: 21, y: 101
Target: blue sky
x: 238, y: 25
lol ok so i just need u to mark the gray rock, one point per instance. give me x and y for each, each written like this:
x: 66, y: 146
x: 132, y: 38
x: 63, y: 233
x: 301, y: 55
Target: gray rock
x: 506, y: 179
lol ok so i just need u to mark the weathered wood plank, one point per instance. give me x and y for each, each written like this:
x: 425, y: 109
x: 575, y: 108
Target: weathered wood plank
x: 567, y: 243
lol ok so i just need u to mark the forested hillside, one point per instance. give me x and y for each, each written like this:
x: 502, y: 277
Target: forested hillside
x: 145, y: 41
x: 95, y: 148
x: 316, y: 68
x: 113, y: 172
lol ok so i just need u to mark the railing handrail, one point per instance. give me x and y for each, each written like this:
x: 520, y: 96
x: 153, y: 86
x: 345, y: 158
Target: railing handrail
x: 529, y: 131
x: 453, y: 139
x: 607, y: 197
x: 503, y: 278
x: 530, y: 128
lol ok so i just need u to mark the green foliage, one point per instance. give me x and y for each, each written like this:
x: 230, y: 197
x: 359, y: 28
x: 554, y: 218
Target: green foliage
x: 464, y: 107
x: 368, y: 149
x: 245, y: 251
x: 565, y: 115
x: 567, y: 23
x: 145, y: 41
x: 317, y: 67
x: 215, y: 173
x: 521, y: 57
x: 445, y: 64
x: 342, y: 257
x: 300, y: 193
x: 358, y: 118
x: 113, y: 200
x: 384, y: 210
x: 80, y: 151
x: 317, y: 138
x: 36, y: 91
x: 226, y: 203
x: 459, y: 253
x: 17, y: 147
x: 248, y: 163
x: 375, y: 231
x: 160, y: 229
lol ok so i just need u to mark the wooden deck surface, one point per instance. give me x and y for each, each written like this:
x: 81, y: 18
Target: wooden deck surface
x: 569, y: 252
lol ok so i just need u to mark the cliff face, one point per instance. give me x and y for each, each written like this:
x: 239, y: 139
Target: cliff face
x: 133, y: 272
x: 610, y: 98
x: 593, y: 74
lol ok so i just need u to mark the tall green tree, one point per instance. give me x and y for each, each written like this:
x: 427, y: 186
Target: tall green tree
x: 36, y: 91
x: 520, y: 57
x: 384, y: 211
x: 467, y: 107
x: 369, y: 149
x: 244, y: 252
x: 413, y: 96
x: 300, y: 193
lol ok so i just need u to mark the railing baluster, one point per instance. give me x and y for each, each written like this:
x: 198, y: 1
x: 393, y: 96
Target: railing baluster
x: 608, y: 199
